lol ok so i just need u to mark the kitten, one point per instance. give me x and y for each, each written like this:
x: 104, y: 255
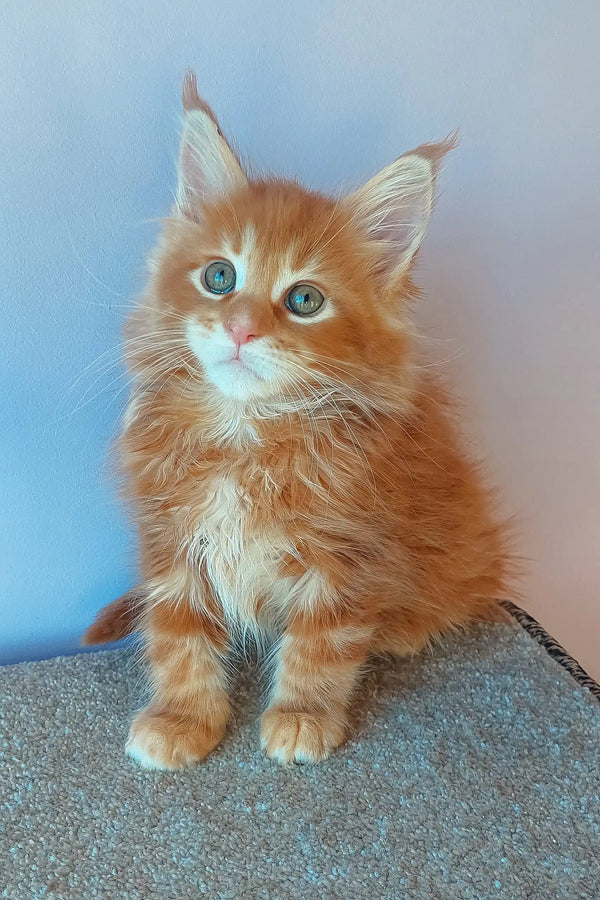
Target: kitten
x: 295, y: 473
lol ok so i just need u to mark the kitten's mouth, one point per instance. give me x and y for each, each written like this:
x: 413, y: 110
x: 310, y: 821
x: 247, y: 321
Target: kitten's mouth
x: 237, y: 364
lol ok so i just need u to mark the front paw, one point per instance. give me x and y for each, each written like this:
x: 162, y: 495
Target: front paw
x: 159, y: 739
x: 300, y: 737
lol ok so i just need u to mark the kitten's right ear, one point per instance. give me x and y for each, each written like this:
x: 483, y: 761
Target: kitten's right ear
x: 208, y: 167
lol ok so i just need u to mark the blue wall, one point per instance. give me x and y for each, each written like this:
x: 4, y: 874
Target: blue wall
x: 329, y: 91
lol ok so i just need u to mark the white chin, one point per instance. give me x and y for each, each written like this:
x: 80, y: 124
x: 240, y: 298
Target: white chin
x: 237, y: 381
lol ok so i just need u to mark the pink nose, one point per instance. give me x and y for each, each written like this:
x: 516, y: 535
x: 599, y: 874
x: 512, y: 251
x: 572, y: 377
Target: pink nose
x: 242, y: 332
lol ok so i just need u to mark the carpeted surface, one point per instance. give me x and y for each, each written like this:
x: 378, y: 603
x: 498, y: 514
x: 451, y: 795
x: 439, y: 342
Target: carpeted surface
x: 474, y: 774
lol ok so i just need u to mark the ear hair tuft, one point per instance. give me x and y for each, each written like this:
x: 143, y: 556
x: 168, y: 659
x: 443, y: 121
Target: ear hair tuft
x: 208, y: 167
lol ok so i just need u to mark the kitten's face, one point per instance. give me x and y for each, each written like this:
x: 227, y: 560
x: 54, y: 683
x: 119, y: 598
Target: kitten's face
x: 277, y: 289
x: 282, y: 293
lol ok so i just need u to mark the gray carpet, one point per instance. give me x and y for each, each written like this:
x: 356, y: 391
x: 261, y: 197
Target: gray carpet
x: 473, y: 774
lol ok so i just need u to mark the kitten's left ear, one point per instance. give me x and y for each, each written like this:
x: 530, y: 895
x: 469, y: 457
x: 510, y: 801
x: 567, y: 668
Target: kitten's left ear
x: 208, y: 167
x: 395, y: 205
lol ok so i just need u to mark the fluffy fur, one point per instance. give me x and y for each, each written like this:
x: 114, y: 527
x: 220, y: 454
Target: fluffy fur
x: 299, y: 480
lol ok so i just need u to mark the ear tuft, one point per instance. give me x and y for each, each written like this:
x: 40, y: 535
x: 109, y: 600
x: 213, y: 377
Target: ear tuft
x: 189, y: 91
x: 192, y: 100
x: 208, y: 167
x: 435, y: 152
x: 395, y: 205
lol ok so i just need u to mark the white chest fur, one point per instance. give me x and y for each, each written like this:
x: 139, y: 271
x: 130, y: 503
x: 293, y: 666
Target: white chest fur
x: 243, y: 561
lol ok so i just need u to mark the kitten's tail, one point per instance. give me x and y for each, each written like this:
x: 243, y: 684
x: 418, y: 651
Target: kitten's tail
x: 116, y: 620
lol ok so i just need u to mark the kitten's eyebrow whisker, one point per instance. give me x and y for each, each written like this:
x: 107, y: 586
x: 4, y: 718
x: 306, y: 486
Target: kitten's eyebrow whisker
x: 333, y: 236
x: 441, y: 362
x: 311, y: 250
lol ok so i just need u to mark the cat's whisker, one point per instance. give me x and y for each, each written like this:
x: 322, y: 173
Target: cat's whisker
x: 340, y: 417
x: 103, y: 370
x: 313, y: 447
x: 85, y: 400
x: 166, y: 367
x: 116, y: 351
x: 98, y: 281
x: 104, y: 360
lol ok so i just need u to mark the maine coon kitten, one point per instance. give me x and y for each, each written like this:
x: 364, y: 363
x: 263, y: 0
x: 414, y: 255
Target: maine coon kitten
x: 295, y: 473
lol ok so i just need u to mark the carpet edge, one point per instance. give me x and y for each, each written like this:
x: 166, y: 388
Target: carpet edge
x: 552, y: 647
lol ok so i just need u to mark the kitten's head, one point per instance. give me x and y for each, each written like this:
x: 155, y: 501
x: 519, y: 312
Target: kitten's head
x: 282, y: 292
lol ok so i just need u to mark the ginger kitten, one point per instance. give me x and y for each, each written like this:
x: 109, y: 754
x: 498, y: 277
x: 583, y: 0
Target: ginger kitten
x: 294, y: 473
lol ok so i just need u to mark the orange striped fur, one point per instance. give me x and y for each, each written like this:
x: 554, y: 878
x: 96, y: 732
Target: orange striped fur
x: 299, y: 481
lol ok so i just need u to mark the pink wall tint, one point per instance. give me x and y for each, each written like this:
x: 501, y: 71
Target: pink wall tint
x: 330, y: 92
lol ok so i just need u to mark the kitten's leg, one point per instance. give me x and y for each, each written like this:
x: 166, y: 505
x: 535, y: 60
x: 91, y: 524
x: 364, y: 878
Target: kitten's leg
x: 317, y: 669
x: 188, y: 713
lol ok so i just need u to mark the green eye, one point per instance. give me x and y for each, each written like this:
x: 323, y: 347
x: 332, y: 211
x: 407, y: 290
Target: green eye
x: 219, y: 277
x: 304, y: 300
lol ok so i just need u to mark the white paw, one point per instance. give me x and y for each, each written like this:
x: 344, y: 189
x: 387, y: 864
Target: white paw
x: 300, y: 737
x: 163, y: 740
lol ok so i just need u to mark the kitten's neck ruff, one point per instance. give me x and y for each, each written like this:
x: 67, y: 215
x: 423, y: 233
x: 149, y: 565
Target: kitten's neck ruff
x: 243, y: 424
x: 232, y: 422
